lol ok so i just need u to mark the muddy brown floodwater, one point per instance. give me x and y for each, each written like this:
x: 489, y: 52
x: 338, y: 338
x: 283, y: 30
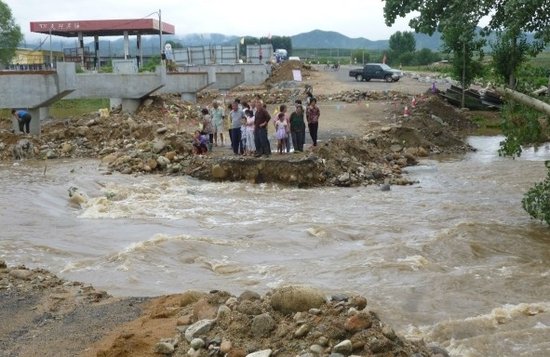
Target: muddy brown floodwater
x: 451, y: 259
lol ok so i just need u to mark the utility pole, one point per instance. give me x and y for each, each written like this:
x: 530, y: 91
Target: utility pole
x: 51, y: 54
x: 160, y: 34
x: 463, y: 99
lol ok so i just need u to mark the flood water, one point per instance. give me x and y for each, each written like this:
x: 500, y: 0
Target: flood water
x: 454, y: 259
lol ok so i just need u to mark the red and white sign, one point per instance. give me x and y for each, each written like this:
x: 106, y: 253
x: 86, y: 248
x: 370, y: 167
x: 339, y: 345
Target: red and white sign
x: 55, y: 26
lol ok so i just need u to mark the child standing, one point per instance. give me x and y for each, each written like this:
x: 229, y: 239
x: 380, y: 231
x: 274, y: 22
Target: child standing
x: 244, y: 142
x: 208, y: 126
x: 283, y: 109
x: 281, y: 134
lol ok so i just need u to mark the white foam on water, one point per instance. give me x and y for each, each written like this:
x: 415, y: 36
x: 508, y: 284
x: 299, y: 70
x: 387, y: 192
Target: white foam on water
x: 510, y: 322
x: 148, y: 245
x: 508, y: 313
x: 222, y: 266
x: 80, y: 265
x: 317, y: 232
x: 415, y: 262
x: 176, y: 198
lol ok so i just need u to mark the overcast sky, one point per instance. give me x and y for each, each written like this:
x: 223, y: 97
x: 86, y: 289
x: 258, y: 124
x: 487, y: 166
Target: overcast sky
x: 353, y: 18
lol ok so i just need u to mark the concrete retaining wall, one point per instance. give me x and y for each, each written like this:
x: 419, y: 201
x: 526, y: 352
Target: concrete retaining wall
x: 254, y: 74
x: 37, y: 88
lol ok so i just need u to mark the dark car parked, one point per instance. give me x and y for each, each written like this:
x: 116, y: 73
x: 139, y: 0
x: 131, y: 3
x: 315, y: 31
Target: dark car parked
x: 376, y: 71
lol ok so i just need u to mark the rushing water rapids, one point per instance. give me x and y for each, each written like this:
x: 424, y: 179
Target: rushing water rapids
x: 453, y: 259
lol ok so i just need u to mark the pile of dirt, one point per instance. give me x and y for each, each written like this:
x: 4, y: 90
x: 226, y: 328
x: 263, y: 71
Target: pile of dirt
x: 282, y: 72
x: 52, y: 317
x: 97, y: 134
x: 436, y: 108
x: 157, y: 139
x: 436, y: 126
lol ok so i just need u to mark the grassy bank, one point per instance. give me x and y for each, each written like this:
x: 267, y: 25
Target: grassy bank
x: 68, y: 108
x: 75, y: 107
x: 488, y: 122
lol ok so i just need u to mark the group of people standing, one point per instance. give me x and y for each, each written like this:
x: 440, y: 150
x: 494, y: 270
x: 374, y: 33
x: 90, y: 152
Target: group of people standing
x: 248, y: 126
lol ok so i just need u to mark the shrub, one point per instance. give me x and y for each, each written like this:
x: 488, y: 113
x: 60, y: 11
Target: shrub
x: 537, y: 200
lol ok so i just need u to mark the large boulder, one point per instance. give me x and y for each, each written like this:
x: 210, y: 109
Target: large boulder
x: 295, y: 298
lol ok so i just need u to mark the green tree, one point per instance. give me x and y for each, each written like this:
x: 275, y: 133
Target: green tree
x: 516, y: 16
x: 426, y: 56
x: 401, y: 43
x: 405, y: 59
x: 520, y: 15
x: 10, y: 34
x: 513, y: 17
x: 510, y: 51
x: 279, y: 42
x: 151, y: 64
x: 360, y: 56
x: 175, y: 44
x: 245, y: 41
x: 537, y: 200
x: 462, y: 42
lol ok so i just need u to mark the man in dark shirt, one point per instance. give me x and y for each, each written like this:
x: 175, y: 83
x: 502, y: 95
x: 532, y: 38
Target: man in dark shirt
x: 261, y: 121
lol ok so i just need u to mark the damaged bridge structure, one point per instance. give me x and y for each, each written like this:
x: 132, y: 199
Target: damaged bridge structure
x: 36, y: 91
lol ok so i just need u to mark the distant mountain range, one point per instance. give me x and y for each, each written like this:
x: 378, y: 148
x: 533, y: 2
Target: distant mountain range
x: 313, y: 39
x: 331, y: 39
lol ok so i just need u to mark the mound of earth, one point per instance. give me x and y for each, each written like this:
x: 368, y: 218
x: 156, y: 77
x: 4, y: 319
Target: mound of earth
x: 157, y: 139
x: 47, y: 316
x: 435, y: 126
x: 282, y: 72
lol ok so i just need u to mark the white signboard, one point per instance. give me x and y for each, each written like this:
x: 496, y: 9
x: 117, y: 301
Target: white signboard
x: 297, y: 75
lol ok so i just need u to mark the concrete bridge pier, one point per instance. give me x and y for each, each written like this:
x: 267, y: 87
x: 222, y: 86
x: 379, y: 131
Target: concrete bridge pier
x: 130, y: 105
x: 127, y: 105
x: 115, y: 103
x: 35, y: 121
x: 44, y: 113
x: 189, y: 97
x: 192, y: 95
x: 15, y: 125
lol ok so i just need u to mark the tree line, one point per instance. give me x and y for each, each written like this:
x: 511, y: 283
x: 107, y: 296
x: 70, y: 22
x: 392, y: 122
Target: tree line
x: 510, y: 20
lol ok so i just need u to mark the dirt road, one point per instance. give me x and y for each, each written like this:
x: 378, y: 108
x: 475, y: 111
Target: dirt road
x: 330, y: 82
x: 341, y: 118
